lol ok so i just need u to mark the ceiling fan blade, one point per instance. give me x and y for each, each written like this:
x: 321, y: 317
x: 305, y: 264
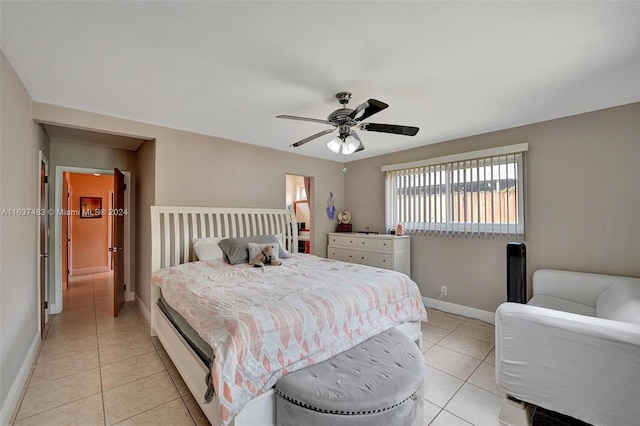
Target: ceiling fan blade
x: 367, y: 109
x: 390, y: 128
x: 314, y: 120
x: 312, y: 137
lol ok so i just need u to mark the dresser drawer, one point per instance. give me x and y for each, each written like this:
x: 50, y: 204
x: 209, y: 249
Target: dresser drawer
x: 343, y: 254
x: 381, y: 251
x: 382, y: 245
x: 379, y: 260
x: 343, y: 240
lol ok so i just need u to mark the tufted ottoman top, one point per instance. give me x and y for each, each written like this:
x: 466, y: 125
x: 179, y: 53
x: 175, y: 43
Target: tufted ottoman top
x: 374, y: 376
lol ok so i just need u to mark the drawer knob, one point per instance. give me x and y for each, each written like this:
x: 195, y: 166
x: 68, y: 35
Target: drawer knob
x: 362, y: 257
x: 384, y: 260
x: 363, y: 242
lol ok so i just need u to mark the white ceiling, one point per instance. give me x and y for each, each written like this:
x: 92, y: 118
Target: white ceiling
x: 228, y: 68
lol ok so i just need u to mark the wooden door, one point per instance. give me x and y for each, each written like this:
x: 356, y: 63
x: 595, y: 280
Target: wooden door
x: 66, y: 219
x: 118, y: 256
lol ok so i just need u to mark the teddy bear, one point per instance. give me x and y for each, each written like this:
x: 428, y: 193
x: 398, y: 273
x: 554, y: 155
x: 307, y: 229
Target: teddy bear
x: 266, y: 257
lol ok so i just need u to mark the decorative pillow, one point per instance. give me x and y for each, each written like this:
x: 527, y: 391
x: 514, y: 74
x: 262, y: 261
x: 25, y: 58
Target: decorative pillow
x: 236, y: 250
x: 207, y: 248
x: 255, y: 249
x: 620, y: 302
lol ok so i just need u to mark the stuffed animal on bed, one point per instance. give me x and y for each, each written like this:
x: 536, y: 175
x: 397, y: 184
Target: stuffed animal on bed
x: 266, y: 256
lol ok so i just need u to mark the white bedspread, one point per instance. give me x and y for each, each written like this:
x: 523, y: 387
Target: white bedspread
x: 265, y: 322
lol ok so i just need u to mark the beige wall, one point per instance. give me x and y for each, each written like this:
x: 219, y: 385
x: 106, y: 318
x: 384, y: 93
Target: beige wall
x: 145, y: 197
x: 197, y: 170
x: 203, y: 170
x: 583, y: 205
x: 20, y: 140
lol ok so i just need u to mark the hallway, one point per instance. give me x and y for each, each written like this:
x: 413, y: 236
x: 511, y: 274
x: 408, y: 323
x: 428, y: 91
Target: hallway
x: 94, y: 369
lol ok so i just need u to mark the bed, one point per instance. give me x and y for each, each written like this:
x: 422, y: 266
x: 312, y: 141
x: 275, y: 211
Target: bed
x: 173, y: 261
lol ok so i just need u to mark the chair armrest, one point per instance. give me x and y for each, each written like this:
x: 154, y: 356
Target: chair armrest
x: 585, y: 367
x: 577, y: 287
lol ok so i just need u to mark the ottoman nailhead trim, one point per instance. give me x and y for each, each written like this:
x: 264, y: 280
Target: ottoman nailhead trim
x: 413, y: 396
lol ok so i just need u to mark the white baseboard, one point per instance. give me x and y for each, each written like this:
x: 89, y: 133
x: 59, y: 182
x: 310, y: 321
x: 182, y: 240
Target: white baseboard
x: 143, y: 309
x: 11, y: 401
x: 88, y: 271
x: 465, y: 311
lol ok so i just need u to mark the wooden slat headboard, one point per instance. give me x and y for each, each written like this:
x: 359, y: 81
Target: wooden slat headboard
x: 173, y: 227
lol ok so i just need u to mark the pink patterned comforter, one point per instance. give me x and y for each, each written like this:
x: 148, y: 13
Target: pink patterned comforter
x: 265, y: 322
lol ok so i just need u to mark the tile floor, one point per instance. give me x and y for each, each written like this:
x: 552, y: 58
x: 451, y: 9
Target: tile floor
x: 460, y: 386
x: 96, y: 369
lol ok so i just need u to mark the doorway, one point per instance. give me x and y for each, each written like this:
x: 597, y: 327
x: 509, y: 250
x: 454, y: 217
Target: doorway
x: 78, y: 204
x: 299, y: 196
x: 87, y: 230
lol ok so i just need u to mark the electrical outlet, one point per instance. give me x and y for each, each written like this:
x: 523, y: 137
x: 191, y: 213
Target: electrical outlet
x: 443, y: 290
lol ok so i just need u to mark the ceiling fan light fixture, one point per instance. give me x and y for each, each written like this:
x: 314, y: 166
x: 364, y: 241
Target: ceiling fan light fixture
x: 351, y: 144
x: 335, y: 145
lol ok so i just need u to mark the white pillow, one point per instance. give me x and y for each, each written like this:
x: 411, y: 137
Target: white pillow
x: 255, y: 249
x: 207, y: 248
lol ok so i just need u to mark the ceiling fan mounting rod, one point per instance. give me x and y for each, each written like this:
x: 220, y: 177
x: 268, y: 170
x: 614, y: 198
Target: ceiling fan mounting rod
x: 344, y: 130
x: 343, y: 97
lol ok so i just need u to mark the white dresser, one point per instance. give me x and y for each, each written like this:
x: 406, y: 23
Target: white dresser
x: 382, y: 251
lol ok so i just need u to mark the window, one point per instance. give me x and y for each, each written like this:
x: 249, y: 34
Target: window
x: 479, y: 194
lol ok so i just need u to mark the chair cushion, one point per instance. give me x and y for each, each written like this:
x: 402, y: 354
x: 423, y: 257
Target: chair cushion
x: 377, y: 375
x: 620, y: 302
x: 559, y: 304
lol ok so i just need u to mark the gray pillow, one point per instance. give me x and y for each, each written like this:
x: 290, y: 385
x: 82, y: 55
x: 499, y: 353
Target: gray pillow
x: 236, y: 250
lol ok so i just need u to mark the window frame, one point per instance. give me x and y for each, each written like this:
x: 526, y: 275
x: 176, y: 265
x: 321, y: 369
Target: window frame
x: 455, y: 166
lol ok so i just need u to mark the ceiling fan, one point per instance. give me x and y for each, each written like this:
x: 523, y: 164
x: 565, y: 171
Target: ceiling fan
x: 343, y: 119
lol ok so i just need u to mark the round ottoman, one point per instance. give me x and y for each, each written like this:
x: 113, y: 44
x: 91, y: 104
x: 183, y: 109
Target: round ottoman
x: 378, y: 382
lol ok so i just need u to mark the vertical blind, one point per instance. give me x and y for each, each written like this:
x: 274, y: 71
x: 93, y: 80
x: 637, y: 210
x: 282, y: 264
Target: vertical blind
x: 462, y: 196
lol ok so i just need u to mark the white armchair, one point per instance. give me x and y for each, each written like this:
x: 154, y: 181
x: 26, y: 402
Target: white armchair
x: 573, y: 349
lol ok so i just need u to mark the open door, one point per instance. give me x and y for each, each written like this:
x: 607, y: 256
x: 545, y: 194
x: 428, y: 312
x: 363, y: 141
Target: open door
x: 43, y: 239
x: 66, y: 229
x: 118, y: 241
